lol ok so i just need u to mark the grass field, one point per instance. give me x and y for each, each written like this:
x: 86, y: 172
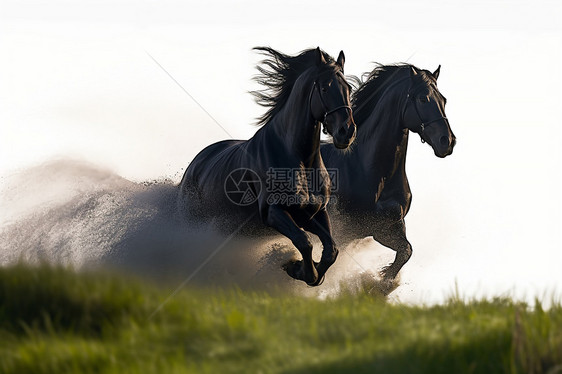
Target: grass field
x: 53, y: 320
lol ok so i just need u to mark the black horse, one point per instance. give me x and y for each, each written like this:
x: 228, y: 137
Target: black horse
x: 373, y: 194
x: 241, y: 181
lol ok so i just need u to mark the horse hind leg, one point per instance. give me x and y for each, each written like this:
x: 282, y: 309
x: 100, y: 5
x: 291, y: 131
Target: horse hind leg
x: 394, y: 237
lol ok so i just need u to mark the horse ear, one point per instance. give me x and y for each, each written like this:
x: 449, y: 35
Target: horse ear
x: 320, y: 60
x: 413, y: 71
x: 436, y: 72
x: 341, y: 60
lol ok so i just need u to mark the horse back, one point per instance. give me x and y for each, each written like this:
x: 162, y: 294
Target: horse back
x: 205, y: 175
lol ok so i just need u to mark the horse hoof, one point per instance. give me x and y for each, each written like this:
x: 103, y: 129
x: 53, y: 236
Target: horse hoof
x: 386, y: 274
x: 318, y: 282
x: 291, y: 265
x: 295, y: 270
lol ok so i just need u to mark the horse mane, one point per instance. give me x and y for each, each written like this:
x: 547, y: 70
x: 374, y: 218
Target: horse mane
x: 372, y: 86
x: 278, y: 73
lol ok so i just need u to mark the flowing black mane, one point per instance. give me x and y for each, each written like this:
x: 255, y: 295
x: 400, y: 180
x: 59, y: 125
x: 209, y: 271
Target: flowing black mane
x: 372, y: 86
x: 278, y: 73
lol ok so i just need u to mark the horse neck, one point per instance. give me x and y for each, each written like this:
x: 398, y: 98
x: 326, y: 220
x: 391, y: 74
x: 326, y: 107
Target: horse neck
x: 383, y: 140
x: 296, y: 126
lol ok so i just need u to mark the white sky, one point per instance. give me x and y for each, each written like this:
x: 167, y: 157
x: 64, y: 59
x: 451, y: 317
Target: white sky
x: 76, y: 80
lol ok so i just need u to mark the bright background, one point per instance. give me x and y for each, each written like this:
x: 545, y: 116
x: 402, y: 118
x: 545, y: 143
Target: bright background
x: 76, y: 81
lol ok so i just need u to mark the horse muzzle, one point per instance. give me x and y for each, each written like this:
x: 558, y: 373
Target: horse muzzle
x: 445, y: 146
x: 345, y: 135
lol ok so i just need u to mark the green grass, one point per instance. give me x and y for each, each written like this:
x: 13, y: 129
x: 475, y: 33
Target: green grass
x: 53, y: 320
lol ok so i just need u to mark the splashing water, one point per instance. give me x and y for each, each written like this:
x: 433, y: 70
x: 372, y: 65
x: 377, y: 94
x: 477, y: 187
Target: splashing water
x: 76, y: 214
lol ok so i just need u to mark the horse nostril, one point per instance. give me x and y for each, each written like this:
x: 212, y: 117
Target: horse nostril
x: 342, y: 131
x: 444, y: 140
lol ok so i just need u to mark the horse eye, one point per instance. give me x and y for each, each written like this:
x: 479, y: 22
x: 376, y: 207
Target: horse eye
x: 324, y: 89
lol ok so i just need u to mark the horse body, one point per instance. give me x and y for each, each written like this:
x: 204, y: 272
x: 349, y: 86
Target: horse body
x: 262, y: 152
x: 373, y: 194
x: 309, y: 90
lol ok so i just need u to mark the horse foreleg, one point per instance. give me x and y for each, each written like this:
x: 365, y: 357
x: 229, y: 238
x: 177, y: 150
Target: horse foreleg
x: 393, y: 236
x: 320, y: 226
x: 282, y: 221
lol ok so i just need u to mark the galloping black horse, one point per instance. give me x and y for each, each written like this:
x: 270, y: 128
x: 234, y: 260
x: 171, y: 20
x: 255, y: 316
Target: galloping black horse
x: 373, y: 193
x: 302, y: 92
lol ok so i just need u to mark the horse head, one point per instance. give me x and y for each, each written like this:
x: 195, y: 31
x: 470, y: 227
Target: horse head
x: 330, y: 101
x: 425, y: 112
